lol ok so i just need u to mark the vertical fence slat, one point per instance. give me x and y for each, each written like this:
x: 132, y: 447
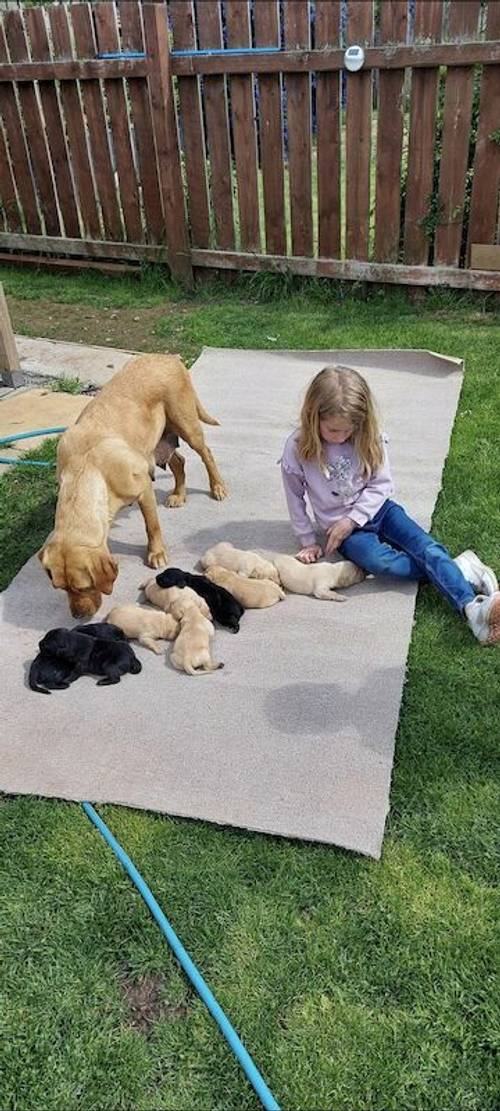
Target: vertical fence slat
x: 358, y: 134
x: 40, y: 51
x: 390, y: 119
x: 133, y: 39
x: 34, y: 126
x: 75, y: 125
x: 424, y: 90
x: 208, y: 15
x: 108, y: 40
x: 161, y: 96
x: 244, y: 137
x: 182, y: 16
x: 463, y: 24
x: 92, y: 99
x: 266, y: 20
x: 486, y: 181
x: 298, y: 93
x: 326, y: 32
x: 19, y: 157
x: 9, y: 208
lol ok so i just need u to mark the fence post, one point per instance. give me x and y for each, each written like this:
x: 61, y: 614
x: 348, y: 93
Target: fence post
x: 9, y: 358
x: 166, y: 142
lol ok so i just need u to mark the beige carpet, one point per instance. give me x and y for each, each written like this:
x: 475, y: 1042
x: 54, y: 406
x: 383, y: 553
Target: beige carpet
x: 295, y: 736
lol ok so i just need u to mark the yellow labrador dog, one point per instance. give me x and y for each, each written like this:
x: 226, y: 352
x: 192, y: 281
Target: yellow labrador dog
x: 106, y: 461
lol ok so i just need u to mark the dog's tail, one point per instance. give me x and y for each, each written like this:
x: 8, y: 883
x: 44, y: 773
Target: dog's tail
x: 203, y: 415
x: 32, y: 679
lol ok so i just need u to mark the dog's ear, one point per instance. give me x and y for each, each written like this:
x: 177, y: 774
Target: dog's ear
x: 106, y: 571
x: 53, y: 563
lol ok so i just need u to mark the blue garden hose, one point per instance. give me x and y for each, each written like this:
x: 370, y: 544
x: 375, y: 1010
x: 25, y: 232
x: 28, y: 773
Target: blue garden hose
x: 27, y: 436
x: 249, y: 1068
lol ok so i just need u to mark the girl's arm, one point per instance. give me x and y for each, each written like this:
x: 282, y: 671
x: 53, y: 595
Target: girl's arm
x: 378, y: 488
x: 295, y: 491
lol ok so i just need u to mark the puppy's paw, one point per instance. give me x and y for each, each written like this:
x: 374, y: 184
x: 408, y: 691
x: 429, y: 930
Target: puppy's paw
x: 219, y: 491
x: 175, y: 500
x: 158, y: 558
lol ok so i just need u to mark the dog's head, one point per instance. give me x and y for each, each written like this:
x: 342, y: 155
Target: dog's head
x: 172, y: 576
x: 57, y: 642
x: 84, y: 573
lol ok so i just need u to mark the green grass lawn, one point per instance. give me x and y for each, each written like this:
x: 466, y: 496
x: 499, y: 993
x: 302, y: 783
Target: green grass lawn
x: 357, y: 986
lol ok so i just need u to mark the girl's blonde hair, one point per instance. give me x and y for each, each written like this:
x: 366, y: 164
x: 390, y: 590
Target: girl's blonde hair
x: 341, y: 392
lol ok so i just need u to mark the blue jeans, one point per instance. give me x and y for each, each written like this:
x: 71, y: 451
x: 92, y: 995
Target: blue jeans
x: 393, y: 544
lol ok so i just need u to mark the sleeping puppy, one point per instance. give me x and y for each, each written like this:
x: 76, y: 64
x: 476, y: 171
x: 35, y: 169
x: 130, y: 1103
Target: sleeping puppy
x: 236, y: 559
x: 91, y: 655
x: 191, y: 651
x: 48, y: 672
x: 101, y: 631
x: 224, y: 607
x: 164, y: 597
x: 51, y: 673
x: 319, y: 579
x: 252, y: 593
x: 146, y: 625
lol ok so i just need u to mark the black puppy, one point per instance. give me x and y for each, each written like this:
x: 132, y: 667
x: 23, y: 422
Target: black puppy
x: 223, y: 606
x: 101, y: 630
x: 49, y: 672
x: 90, y: 655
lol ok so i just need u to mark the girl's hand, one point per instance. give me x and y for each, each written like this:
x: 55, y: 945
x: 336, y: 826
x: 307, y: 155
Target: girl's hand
x: 337, y: 533
x: 310, y: 554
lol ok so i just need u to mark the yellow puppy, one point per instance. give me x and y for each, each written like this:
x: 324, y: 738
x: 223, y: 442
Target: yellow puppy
x: 252, y: 593
x: 236, y: 559
x: 191, y: 651
x: 319, y: 579
x: 148, y: 626
x: 164, y: 597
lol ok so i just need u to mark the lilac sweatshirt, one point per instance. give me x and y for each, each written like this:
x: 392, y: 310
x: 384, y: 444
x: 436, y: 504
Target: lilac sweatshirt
x: 345, y: 492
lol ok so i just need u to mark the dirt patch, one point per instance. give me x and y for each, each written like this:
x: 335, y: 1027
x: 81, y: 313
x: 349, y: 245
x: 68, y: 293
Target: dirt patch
x: 147, y: 1004
x: 106, y: 327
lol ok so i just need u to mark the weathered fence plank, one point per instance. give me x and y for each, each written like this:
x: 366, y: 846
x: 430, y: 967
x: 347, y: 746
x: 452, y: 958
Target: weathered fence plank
x: 298, y: 100
x: 244, y: 136
x: 133, y: 39
x: 486, y: 181
x: 267, y: 33
x: 326, y: 32
x: 463, y: 23
x: 75, y: 126
x: 419, y: 184
x: 358, y: 135
x: 18, y: 152
x: 182, y: 16
x: 217, y: 127
x: 40, y: 51
x: 95, y: 112
x: 108, y: 40
x: 390, y: 120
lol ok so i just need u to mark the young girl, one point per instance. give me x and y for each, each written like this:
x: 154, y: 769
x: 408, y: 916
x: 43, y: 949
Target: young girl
x: 339, y: 459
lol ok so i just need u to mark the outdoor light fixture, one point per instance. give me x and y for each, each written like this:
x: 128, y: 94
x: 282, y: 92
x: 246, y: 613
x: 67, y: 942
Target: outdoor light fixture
x: 354, y: 58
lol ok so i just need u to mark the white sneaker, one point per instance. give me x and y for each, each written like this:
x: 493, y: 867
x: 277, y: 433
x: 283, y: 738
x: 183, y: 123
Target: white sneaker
x: 483, y: 616
x: 481, y: 577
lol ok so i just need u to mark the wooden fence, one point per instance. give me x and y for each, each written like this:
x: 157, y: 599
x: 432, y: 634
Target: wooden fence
x: 228, y: 134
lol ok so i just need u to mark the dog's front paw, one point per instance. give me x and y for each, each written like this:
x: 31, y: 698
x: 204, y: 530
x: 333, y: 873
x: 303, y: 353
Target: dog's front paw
x: 173, y: 501
x: 219, y: 492
x: 158, y: 558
